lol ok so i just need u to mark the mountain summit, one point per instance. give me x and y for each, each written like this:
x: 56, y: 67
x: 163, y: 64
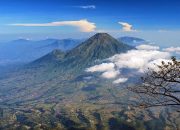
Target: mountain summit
x: 97, y: 47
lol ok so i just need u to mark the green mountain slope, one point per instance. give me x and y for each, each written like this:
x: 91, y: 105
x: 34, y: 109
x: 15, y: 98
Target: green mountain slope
x: 98, y: 47
x: 53, y: 56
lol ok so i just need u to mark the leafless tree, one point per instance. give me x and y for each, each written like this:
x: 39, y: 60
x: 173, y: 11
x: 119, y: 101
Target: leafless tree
x: 161, y: 86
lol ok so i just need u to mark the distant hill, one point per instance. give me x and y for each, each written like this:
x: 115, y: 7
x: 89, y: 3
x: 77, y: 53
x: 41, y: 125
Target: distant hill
x: 21, y: 50
x: 132, y: 41
x: 64, y: 45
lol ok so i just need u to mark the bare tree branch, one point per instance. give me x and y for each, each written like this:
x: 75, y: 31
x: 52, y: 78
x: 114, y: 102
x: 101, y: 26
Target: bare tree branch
x: 160, y: 87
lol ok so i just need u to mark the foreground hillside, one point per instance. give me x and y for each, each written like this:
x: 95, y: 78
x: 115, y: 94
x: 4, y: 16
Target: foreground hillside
x: 54, y: 92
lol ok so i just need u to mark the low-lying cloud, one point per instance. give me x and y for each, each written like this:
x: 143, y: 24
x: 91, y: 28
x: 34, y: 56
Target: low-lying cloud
x: 137, y: 59
x: 101, y: 68
x: 83, y: 25
x: 146, y: 56
x: 172, y: 49
x: 147, y: 47
x: 120, y: 80
x: 110, y: 74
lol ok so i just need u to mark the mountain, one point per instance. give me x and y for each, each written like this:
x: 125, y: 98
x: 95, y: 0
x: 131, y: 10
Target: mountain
x: 53, y: 56
x: 40, y: 96
x: 23, y: 51
x: 132, y: 41
x: 64, y: 44
x: 14, y: 51
x: 58, y: 67
x: 99, y: 46
x: 94, y: 49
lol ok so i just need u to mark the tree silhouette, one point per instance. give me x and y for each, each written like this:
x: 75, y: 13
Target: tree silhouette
x: 161, y: 86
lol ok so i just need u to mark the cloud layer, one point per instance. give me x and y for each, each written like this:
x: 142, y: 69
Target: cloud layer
x: 147, y: 47
x: 146, y: 56
x: 126, y: 27
x: 101, y: 68
x: 83, y: 25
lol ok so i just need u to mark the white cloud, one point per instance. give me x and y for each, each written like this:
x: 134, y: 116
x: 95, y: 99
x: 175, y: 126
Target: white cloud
x: 120, y: 80
x: 126, y: 27
x: 137, y: 61
x: 102, y: 67
x: 83, y: 25
x: 87, y: 7
x: 110, y: 74
x: 172, y: 49
x: 147, y: 47
x: 153, y: 64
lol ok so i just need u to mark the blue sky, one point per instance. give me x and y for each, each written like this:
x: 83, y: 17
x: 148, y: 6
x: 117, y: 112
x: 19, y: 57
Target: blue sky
x: 154, y: 20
